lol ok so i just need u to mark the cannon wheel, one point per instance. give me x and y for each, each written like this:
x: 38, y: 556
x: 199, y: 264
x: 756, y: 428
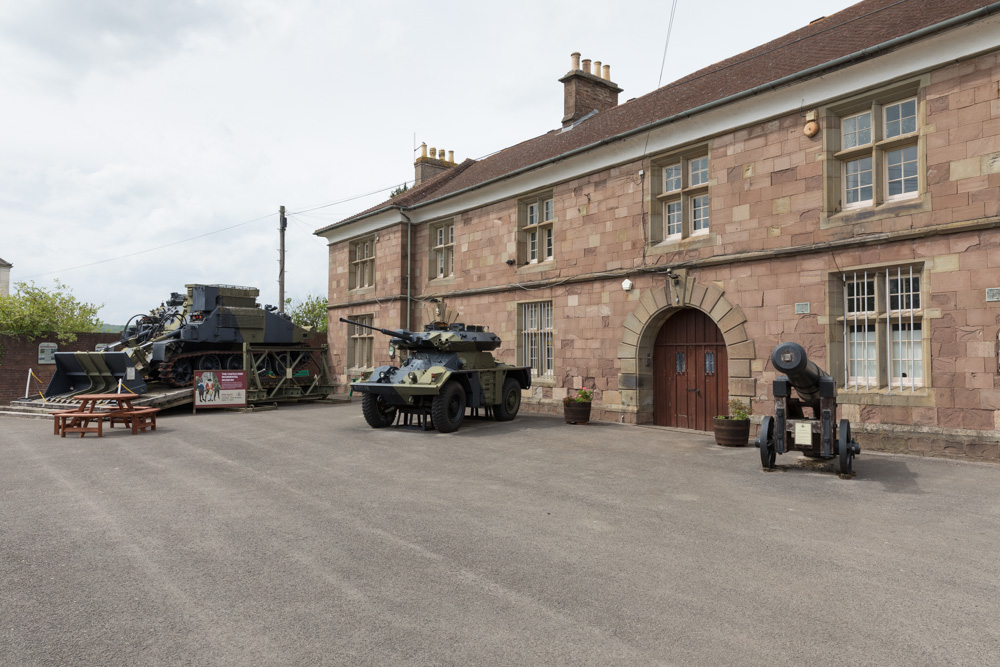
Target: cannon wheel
x: 845, y: 446
x: 766, y: 442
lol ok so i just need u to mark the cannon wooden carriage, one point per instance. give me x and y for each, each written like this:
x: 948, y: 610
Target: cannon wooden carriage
x: 789, y: 429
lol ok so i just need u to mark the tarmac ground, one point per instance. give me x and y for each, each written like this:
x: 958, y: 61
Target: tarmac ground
x: 301, y: 536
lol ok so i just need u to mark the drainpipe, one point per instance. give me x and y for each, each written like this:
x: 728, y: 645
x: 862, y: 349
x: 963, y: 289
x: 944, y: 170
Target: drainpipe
x: 409, y: 257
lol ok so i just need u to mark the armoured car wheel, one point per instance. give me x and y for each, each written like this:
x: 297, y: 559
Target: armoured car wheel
x: 377, y: 412
x: 510, y: 401
x: 448, y: 407
x: 181, y: 371
x: 766, y: 442
x: 234, y: 362
x: 210, y: 362
x: 845, y: 446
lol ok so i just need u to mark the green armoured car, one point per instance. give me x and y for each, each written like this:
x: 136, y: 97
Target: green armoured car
x: 448, y: 369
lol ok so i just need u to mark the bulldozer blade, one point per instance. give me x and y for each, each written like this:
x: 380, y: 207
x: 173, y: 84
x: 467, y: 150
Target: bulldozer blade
x: 93, y: 373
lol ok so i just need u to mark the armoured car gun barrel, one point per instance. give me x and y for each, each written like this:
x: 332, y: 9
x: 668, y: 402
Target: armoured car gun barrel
x: 804, y: 375
x: 402, y: 334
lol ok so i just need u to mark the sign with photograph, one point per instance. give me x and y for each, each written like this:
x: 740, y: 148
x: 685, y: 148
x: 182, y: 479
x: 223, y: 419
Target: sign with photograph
x: 220, y: 389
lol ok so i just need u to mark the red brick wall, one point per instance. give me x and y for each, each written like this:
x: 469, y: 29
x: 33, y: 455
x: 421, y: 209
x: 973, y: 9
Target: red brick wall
x: 19, y: 354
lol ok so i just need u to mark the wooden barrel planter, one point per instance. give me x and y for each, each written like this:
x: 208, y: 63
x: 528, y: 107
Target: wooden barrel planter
x: 731, y: 432
x: 576, y: 412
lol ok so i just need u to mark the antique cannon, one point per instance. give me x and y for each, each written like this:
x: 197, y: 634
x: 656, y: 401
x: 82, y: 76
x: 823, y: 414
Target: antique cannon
x: 816, y: 436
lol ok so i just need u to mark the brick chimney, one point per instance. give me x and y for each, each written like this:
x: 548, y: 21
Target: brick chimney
x: 426, y: 168
x: 585, y: 90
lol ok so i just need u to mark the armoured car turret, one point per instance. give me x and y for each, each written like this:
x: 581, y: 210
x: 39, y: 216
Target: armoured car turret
x: 448, y: 369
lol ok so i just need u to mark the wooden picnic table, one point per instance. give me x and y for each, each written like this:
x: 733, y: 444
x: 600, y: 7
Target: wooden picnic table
x: 91, y: 411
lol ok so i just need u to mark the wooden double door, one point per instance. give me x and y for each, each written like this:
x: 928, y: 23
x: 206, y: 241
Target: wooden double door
x: 691, y: 377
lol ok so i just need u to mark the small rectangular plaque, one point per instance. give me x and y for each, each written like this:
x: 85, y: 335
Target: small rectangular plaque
x: 47, y: 352
x: 803, y: 433
x: 993, y: 293
x: 802, y: 308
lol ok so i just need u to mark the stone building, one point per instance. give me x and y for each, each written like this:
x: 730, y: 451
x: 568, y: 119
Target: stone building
x: 5, y: 268
x: 838, y: 187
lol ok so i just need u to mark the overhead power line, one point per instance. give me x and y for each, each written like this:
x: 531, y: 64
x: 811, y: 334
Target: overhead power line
x: 142, y: 252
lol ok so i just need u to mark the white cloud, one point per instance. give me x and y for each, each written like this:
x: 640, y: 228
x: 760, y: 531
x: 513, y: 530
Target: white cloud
x: 131, y: 126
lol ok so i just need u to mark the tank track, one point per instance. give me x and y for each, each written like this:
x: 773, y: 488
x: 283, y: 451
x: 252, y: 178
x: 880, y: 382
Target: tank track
x: 166, y: 369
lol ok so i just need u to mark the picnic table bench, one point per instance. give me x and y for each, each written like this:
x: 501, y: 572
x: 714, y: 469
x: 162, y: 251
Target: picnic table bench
x: 89, y: 416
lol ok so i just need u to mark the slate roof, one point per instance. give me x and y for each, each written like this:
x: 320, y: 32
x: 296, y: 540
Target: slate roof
x: 5, y: 264
x: 852, y: 30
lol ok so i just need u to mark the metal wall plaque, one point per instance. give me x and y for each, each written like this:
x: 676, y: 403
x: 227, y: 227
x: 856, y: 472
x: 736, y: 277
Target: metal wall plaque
x: 46, y: 353
x: 803, y: 433
x: 802, y: 308
x: 993, y: 293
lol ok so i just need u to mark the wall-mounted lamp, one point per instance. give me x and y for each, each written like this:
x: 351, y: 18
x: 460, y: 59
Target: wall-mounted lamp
x: 626, y: 284
x: 675, y: 279
x: 510, y: 262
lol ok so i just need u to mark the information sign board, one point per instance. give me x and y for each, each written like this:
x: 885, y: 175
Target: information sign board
x: 47, y: 352
x: 220, y: 389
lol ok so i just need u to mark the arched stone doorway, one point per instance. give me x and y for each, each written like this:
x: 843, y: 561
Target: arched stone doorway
x: 690, y: 371
x: 637, y: 379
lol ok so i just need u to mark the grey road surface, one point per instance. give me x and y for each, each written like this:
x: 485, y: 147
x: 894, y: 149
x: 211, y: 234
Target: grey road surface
x: 303, y: 537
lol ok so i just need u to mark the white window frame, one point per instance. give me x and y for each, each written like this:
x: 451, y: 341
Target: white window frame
x: 362, y: 263
x: 442, y: 254
x: 361, y: 343
x: 685, y: 203
x: 537, y: 229
x: 861, y: 185
x: 881, y: 140
x: 535, y: 338
x: 880, y: 303
x: 915, y: 161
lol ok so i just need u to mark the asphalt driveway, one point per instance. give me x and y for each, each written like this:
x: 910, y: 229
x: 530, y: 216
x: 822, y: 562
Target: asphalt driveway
x: 301, y: 536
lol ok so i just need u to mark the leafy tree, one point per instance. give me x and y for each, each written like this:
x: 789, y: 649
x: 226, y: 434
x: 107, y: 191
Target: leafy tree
x: 398, y: 191
x: 33, y: 311
x: 308, y: 313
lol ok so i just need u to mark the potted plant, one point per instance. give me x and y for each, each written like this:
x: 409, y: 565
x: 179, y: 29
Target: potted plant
x: 576, y: 409
x: 733, y: 430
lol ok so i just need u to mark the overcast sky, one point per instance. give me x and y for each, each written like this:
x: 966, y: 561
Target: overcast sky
x: 132, y: 128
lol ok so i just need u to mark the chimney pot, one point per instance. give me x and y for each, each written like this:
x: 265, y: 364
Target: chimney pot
x: 425, y: 169
x: 584, y: 94
x: 574, y: 61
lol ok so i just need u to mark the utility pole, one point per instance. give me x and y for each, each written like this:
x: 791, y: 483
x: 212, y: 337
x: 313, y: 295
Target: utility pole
x: 283, y: 223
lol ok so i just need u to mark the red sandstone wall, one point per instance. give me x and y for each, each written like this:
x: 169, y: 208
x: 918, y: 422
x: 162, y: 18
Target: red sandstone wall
x: 767, y: 190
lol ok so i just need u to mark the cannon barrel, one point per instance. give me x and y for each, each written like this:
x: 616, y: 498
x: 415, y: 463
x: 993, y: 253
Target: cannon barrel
x: 402, y: 334
x: 791, y: 360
